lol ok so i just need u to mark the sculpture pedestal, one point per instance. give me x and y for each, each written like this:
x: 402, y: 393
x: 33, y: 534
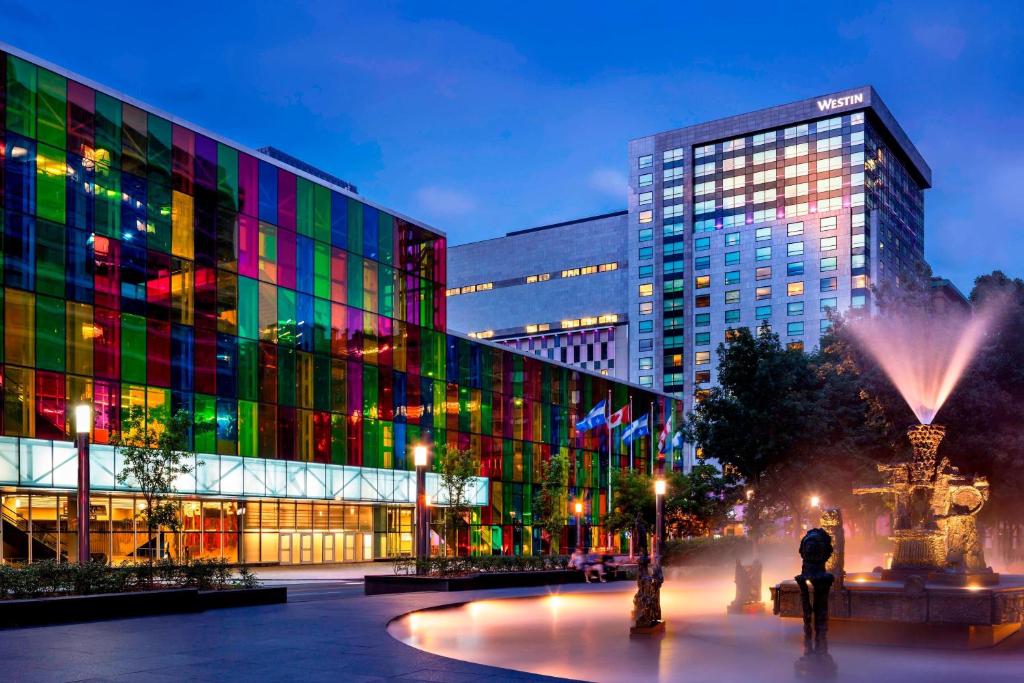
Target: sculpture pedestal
x: 652, y: 630
x: 745, y: 608
x: 816, y: 667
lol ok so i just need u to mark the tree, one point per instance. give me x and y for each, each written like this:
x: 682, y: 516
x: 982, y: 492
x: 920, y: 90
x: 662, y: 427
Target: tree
x: 458, y: 469
x: 698, y: 502
x: 550, y: 503
x: 152, y: 455
x: 634, y: 497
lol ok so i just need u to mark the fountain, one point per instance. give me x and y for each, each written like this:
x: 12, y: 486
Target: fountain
x: 938, y: 588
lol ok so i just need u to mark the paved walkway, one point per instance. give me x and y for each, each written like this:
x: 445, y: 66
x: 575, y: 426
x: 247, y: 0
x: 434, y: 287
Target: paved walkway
x: 329, y: 639
x: 305, y: 573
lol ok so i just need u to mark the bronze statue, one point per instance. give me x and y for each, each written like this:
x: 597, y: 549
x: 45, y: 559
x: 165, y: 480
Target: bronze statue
x: 815, y: 583
x: 647, y: 601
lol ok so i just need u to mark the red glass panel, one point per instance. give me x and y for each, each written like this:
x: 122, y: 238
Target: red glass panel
x: 355, y: 440
x: 248, y: 185
x: 286, y: 433
x: 248, y: 246
x: 286, y: 258
x: 206, y: 298
x: 183, y: 158
x: 268, y: 372
x: 106, y: 410
x: 205, y: 360
x: 385, y: 345
x: 50, y: 405
x: 107, y: 275
x: 322, y: 437
x: 267, y: 430
x: 81, y: 119
x: 107, y: 343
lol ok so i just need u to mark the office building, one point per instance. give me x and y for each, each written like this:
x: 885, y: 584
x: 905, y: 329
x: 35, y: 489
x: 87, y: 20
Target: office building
x: 150, y: 264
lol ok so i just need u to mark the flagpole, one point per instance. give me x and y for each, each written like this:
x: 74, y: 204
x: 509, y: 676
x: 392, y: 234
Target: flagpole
x: 631, y: 440
x: 608, y: 506
x: 652, y: 439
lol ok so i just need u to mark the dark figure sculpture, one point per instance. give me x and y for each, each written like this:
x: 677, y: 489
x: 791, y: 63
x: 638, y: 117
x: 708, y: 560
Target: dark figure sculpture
x: 647, y: 601
x: 640, y: 534
x: 748, y: 589
x: 815, y: 583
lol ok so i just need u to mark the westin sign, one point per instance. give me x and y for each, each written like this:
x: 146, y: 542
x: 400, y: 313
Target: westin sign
x: 831, y: 103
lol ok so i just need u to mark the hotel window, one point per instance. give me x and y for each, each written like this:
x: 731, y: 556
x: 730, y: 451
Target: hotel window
x: 702, y: 282
x: 701, y: 189
x: 794, y: 151
x: 571, y: 272
x: 857, y: 261
x: 730, y: 334
x: 828, y: 243
x: 646, y: 198
x: 795, y: 131
x: 673, y: 323
x: 796, y: 171
x: 704, y: 169
x: 795, y: 288
x: 827, y: 224
x: 732, y: 316
x: 647, y: 289
x: 795, y: 346
x: 859, y: 281
x: 858, y: 301
x: 451, y: 292
x: 646, y: 253
x: 763, y: 312
x: 795, y: 229
x: 763, y: 254
x: 673, y: 229
x: 646, y: 326
x: 672, y: 248
x: 732, y: 296
x: 646, y: 380
x: 702, y: 262
x: 645, y: 161
x: 702, y: 339
x: 673, y: 268
x: 829, y: 304
x: 764, y: 138
x: 646, y: 363
x: 669, y: 194
x: 647, y: 344
x: 703, y: 151
x: 646, y: 216
x: 646, y: 307
x: 702, y: 357
x: 645, y: 180
x: 824, y: 325
x: 857, y: 138
x: 732, y: 258
x: 794, y: 329
x: 702, y: 319
x: 706, y: 225
x: 795, y: 249
x: 671, y: 174
x: 608, y: 318
x: 702, y: 376
x: 702, y: 244
x: 829, y: 263
x: 762, y: 293
x: 795, y: 268
x: 732, y: 277
x: 674, y: 210
x: 856, y: 241
x: 646, y: 234
x: 588, y: 270
x: 763, y: 273
x: 768, y: 175
x: 828, y: 284
x: 646, y: 271
x: 702, y: 301
x: 795, y: 308
x: 671, y: 305
x: 763, y: 234
x: 732, y: 239
x: 670, y: 155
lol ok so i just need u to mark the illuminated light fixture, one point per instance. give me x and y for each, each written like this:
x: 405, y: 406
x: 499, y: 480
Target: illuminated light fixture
x: 659, y: 487
x: 83, y: 418
x: 815, y: 501
x: 419, y: 453
x: 579, y: 508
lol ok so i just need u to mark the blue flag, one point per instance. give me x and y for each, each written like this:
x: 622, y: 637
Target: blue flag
x: 636, y: 429
x: 595, y: 418
x: 677, y: 441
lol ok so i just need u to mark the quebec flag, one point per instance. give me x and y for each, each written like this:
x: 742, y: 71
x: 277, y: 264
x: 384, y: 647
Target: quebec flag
x: 636, y: 429
x: 595, y: 418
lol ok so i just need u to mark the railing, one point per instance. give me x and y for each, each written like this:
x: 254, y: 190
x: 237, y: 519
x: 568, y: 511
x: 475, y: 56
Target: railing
x: 46, y: 538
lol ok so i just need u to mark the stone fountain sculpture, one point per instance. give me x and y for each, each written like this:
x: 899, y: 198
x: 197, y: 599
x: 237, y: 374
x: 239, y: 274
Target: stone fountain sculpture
x: 934, y: 533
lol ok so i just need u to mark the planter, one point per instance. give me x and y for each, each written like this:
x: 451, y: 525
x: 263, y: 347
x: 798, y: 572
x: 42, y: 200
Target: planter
x: 383, y: 584
x: 75, y: 608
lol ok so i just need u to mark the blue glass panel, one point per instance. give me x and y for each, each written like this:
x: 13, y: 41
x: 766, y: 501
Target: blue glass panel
x: 304, y: 321
x: 79, y: 197
x: 19, y: 251
x: 133, y: 207
x: 371, y: 219
x: 182, y: 361
x: 20, y: 175
x: 304, y: 264
x: 227, y: 360
x: 268, y: 192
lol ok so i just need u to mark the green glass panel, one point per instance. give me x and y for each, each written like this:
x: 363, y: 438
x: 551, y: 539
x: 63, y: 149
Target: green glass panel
x: 21, y: 96
x: 322, y: 215
x: 247, y: 428
x: 159, y: 149
x: 464, y: 411
x: 108, y: 201
x: 248, y: 370
x: 321, y: 382
x: 386, y: 239
x: 439, y: 401
x: 50, y: 258
x: 108, y: 130
x: 158, y: 226
x: 355, y: 279
x: 50, y: 333
x: 304, y: 202
x: 227, y: 176
x: 286, y: 376
x: 322, y: 269
x: 52, y: 109
x: 370, y: 404
x: 248, y: 308
x: 486, y: 414
x: 371, y: 443
x: 426, y: 304
x: 339, y: 439
x: 1, y: 320
x: 286, y: 329
x: 322, y: 326
x: 51, y: 183
x: 206, y: 423
x: 386, y: 291
x: 355, y: 228
x: 133, y: 348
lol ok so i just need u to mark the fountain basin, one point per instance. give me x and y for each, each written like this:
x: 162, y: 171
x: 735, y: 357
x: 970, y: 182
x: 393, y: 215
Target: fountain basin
x: 870, y: 609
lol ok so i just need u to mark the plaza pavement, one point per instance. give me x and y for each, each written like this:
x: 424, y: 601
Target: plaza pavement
x: 334, y: 638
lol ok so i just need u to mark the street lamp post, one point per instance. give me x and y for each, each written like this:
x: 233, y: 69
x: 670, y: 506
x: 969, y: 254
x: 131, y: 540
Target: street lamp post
x: 422, y: 512
x: 83, y: 425
x: 512, y: 514
x: 579, y: 525
x: 659, y: 513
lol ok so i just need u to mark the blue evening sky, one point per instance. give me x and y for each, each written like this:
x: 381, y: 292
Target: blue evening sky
x: 480, y: 118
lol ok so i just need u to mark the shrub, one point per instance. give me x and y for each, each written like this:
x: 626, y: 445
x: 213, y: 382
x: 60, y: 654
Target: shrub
x: 706, y: 550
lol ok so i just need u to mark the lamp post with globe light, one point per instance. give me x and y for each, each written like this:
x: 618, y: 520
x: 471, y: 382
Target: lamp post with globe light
x: 422, y: 512
x: 83, y: 426
x: 579, y: 524
x: 659, y: 513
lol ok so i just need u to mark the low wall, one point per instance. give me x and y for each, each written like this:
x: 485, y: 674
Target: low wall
x: 74, y: 608
x: 383, y: 584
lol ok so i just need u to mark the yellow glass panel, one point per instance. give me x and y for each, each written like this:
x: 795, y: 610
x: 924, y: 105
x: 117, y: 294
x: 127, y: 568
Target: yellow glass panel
x: 304, y: 375
x: 183, y: 291
x: 268, y: 312
x: 370, y: 285
x: 20, y: 327
x: 80, y: 335
x: 182, y: 217
x: 19, y: 401
x: 305, y: 429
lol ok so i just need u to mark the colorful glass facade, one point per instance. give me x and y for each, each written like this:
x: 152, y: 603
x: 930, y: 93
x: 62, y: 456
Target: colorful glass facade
x: 149, y: 264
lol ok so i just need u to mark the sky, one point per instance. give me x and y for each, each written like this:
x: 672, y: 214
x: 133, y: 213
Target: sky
x: 480, y: 118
